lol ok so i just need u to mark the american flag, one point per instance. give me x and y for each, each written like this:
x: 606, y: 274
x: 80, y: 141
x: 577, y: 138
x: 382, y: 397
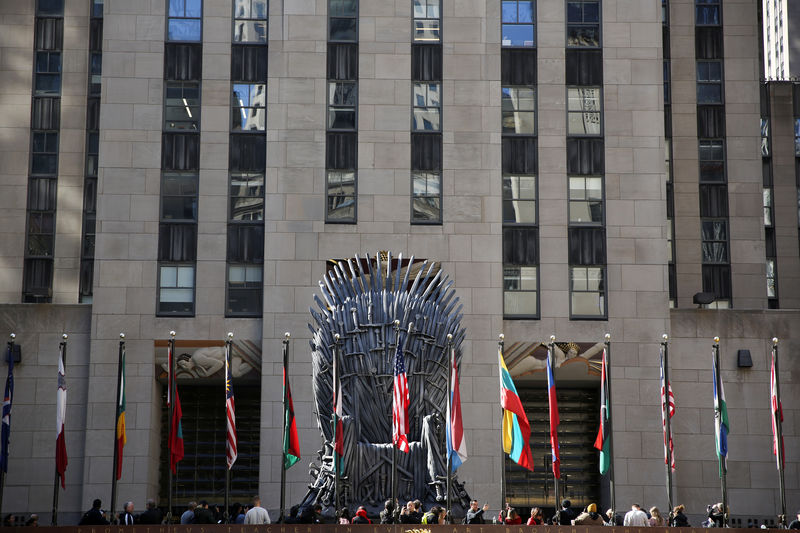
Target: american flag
x: 777, y: 415
x: 400, y: 400
x: 230, y: 443
x: 664, y: 416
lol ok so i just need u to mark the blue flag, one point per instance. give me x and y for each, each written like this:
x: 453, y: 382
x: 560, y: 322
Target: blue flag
x: 5, y: 434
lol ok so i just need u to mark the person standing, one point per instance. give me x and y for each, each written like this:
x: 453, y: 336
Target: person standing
x: 589, y: 517
x: 565, y: 515
x: 152, y: 515
x: 361, y: 517
x: 536, y: 518
x: 512, y: 517
x: 202, y: 514
x: 94, y: 516
x: 679, y: 518
x: 636, y: 517
x: 126, y: 518
x: 656, y: 520
x: 257, y: 514
x: 474, y: 514
x: 188, y: 515
x: 795, y: 524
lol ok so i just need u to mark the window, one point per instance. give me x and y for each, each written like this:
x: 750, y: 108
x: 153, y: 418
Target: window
x: 797, y: 137
x: 97, y: 8
x: 587, y: 292
x: 341, y: 196
x: 248, y: 111
x: 343, y: 20
x: 176, y: 289
x: 44, y: 153
x: 185, y: 20
x: 585, y: 200
x: 667, y: 94
x: 250, y: 21
x: 92, y: 152
x: 247, y: 197
x: 583, y: 23
x: 519, y: 199
x: 245, y: 290
x: 50, y: 7
x: 520, y: 291
x: 41, y: 232
x: 426, y: 197
x: 584, y: 110
x: 518, y: 23
x: 714, y: 234
x: 342, y: 101
x: 427, y: 21
x: 707, y: 12
x: 665, y: 11
x: 179, y: 197
x: 48, y: 73
x: 427, y: 107
x: 182, y: 106
x: 519, y: 110
x: 712, y: 161
x: 767, y: 196
x: 709, y: 82
x: 670, y: 242
x: 95, y: 71
x: 772, y: 290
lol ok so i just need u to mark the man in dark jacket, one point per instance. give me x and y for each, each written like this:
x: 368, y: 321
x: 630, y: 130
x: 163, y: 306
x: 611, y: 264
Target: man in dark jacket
x: 565, y: 515
x: 310, y: 515
x: 203, y: 515
x: 126, y: 518
x: 474, y: 514
x: 152, y: 515
x: 361, y: 517
x: 94, y: 516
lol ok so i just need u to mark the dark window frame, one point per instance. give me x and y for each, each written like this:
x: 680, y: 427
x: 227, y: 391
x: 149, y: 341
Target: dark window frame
x: 254, y: 288
x: 171, y: 264
x: 603, y: 292
x: 535, y: 110
x: 184, y: 17
x: 583, y: 23
x: 425, y: 222
x: 570, y: 200
x: 198, y: 107
x: 708, y: 82
x: 235, y: 107
x: 709, y: 7
x: 415, y: 19
x: 437, y: 108
x: 328, y: 219
x: 532, y: 24
x: 348, y: 17
x: 333, y: 108
x: 600, y: 111
x: 250, y: 19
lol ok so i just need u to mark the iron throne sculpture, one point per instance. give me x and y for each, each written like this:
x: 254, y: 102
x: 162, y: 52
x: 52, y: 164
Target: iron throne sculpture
x: 361, y: 300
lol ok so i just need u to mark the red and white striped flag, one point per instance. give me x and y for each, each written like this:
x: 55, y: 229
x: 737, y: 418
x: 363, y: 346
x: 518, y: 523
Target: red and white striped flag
x: 777, y: 414
x: 664, y: 414
x: 230, y: 411
x: 400, y: 400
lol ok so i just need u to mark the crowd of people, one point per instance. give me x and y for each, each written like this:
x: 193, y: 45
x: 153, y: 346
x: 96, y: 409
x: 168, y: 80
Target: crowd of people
x: 196, y: 513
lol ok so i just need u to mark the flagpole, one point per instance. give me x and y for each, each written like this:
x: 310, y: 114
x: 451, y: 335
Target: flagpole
x: 171, y: 346
x: 10, y: 353
x: 336, y: 480
x: 448, y: 428
x: 667, y: 430
x: 779, y: 434
x: 62, y: 353
x: 116, y: 415
x: 550, y: 349
x: 283, y: 435
x: 718, y: 412
x: 610, y: 427
x: 501, y: 342
x: 226, y: 510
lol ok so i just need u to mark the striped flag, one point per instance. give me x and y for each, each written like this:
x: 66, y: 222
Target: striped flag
x: 176, y: 429
x: 400, y: 400
x: 721, y: 426
x: 667, y: 387
x: 230, y: 411
x: 61, y: 412
x: 337, y: 406
x: 603, y: 440
x: 121, y: 435
x: 777, y: 416
x: 516, y: 428
x: 8, y: 398
x: 554, y: 418
x: 456, y: 445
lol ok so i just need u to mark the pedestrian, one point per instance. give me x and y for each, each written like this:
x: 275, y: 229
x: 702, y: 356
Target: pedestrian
x: 474, y: 514
x: 126, y: 518
x: 361, y: 517
x: 536, y: 518
x: 344, y: 516
x: 152, y: 514
x: 432, y: 516
x: 418, y: 512
x: 407, y: 513
x: 294, y: 512
x: 202, y: 514
x: 512, y: 517
x: 795, y: 524
x: 188, y: 515
x: 589, y: 517
x: 311, y: 514
x: 565, y: 515
x: 656, y: 520
x: 636, y: 517
x: 94, y: 516
x: 387, y: 515
x: 716, y: 517
x: 33, y: 521
x: 679, y: 518
x: 257, y: 514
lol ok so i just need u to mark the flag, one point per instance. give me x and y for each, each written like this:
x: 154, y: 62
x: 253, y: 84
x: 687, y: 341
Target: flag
x: 121, y: 436
x: 667, y: 387
x: 516, y: 428
x: 176, y: 429
x: 554, y: 420
x: 400, y: 400
x: 777, y: 416
x: 291, y: 442
x: 603, y: 440
x: 5, y: 433
x: 337, y: 407
x: 720, y: 422
x: 456, y: 446
x: 230, y: 412
x: 61, y: 412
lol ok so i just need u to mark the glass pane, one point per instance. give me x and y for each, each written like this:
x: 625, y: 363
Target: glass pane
x: 343, y: 8
x: 574, y: 12
x: 48, y: 84
x: 183, y: 30
x: 715, y: 252
x: 176, y: 295
x: 426, y: 184
x: 176, y: 8
x: 427, y: 30
x: 249, y: 119
x: 578, y: 276
x: 518, y: 35
x: 584, y: 124
x: 427, y: 209
x: 194, y: 8
x: 714, y: 230
x: 583, y: 211
x: 426, y: 94
x: 522, y: 187
x: 44, y: 164
x: 520, y: 211
x: 709, y: 93
x: 182, y: 117
x: 253, y: 274
x: 426, y: 119
x: 179, y: 184
x: 250, y: 95
x: 525, y: 12
x: 97, y: 8
x: 40, y: 245
x: 584, y: 99
x: 518, y: 99
x: 241, y: 9
x: 179, y: 208
x: 341, y: 207
x: 185, y: 276
x: 519, y: 122
x: 236, y: 274
x: 342, y: 94
x: 713, y: 171
x: 587, y: 304
x: 169, y: 276
x: 250, y: 31
x: 247, y: 208
x: 583, y: 36
x: 342, y: 29
x: 520, y: 303
x: 258, y: 9
x: 50, y: 7
x: 594, y: 279
x: 591, y: 12
x: 341, y: 118
x: 337, y: 180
